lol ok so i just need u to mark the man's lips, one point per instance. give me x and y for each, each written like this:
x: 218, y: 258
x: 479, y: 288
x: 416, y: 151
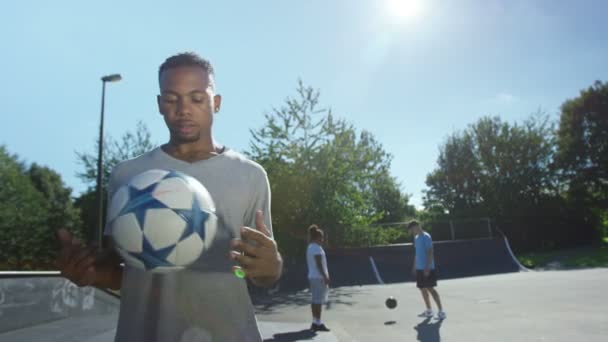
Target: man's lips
x: 185, y: 127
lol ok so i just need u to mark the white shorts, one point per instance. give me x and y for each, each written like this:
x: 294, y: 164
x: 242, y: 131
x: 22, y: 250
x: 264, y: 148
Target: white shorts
x: 318, y: 289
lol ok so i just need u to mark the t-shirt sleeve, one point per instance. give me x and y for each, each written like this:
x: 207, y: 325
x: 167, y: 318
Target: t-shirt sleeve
x: 315, y: 249
x: 260, y: 201
x: 428, y: 242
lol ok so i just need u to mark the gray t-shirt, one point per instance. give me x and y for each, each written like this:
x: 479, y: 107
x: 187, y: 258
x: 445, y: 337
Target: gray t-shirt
x: 204, y: 302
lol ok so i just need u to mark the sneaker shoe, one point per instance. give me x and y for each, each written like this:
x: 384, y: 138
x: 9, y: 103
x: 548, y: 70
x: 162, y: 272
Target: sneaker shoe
x: 427, y: 314
x: 441, y: 315
x: 319, y: 327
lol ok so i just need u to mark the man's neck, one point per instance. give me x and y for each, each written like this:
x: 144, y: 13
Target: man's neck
x: 194, y: 151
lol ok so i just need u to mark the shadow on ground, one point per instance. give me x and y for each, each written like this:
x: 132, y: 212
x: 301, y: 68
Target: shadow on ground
x: 428, y: 330
x: 301, y: 335
x: 267, y: 303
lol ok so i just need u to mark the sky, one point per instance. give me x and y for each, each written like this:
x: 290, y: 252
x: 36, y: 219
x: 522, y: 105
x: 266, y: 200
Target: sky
x: 410, y: 72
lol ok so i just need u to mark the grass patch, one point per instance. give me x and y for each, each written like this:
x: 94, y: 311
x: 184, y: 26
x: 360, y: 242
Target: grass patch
x: 569, y: 258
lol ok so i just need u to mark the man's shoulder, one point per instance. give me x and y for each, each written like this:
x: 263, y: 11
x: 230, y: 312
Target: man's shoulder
x: 135, y: 161
x: 423, y: 236
x: 129, y: 166
x: 313, y: 247
x: 243, y: 163
x: 427, y: 236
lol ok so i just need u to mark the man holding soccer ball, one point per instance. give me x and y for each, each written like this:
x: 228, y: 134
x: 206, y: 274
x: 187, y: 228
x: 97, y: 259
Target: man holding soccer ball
x: 205, y: 301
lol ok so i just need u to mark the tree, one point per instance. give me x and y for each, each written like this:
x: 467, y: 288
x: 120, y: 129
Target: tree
x: 582, y: 153
x: 322, y: 170
x: 62, y: 212
x: 493, y: 167
x: 34, y: 203
x: 131, y: 145
x: 505, y: 171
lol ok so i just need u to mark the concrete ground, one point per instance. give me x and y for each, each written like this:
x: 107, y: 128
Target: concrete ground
x: 526, y: 306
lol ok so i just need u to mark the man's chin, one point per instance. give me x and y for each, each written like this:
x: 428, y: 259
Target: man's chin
x: 185, y: 139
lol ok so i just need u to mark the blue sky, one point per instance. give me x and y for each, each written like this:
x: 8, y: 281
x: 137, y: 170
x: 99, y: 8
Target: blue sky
x: 410, y: 79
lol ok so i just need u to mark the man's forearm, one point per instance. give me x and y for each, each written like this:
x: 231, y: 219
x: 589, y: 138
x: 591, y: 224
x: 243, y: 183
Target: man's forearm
x: 109, y: 277
x: 429, y: 258
x: 265, y: 282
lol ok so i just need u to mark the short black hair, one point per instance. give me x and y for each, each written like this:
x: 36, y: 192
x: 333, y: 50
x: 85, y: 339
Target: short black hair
x: 412, y: 224
x: 188, y: 59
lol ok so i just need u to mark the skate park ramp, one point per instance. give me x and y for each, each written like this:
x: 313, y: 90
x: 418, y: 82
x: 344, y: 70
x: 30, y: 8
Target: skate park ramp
x: 46, y: 307
x: 393, y: 263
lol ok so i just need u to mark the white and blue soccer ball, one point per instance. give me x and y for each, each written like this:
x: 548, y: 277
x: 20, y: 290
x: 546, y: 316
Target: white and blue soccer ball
x: 162, y: 220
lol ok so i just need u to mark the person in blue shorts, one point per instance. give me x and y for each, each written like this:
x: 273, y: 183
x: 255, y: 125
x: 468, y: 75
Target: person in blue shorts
x: 423, y: 269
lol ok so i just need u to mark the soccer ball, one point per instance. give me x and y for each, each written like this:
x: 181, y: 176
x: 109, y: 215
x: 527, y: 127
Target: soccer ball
x: 162, y: 220
x: 391, y: 302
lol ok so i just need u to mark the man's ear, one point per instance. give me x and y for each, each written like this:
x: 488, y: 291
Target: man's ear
x: 217, y: 102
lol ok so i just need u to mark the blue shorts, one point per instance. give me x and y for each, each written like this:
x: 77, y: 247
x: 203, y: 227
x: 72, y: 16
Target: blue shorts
x: 318, y: 289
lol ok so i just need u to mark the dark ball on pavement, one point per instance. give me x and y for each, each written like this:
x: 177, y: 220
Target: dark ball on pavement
x: 391, y: 302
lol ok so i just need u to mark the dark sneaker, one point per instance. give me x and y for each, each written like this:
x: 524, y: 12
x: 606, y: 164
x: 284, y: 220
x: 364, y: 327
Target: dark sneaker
x: 320, y: 327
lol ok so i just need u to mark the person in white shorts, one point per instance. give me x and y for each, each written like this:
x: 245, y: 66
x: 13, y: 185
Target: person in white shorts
x: 318, y: 275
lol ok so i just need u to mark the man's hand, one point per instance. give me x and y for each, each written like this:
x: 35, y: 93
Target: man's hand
x: 427, y: 272
x: 257, y: 254
x: 75, y: 260
x: 327, y: 281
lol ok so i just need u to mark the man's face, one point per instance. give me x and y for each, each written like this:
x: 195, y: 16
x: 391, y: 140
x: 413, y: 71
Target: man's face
x: 187, y: 103
x: 415, y: 230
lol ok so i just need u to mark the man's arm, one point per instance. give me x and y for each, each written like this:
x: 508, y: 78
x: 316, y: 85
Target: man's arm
x: 109, y: 270
x: 319, y: 263
x: 429, y: 260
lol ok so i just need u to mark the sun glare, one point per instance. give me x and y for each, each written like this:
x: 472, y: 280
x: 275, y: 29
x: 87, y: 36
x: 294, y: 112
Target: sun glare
x: 404, y: 9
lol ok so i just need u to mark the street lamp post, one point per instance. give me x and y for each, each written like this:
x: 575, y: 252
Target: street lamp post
x: 108, y: 78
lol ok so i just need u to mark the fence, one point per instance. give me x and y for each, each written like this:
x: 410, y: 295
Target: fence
x: 396, y: 232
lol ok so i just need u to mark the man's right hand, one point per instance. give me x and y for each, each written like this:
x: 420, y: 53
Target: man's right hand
x: 75, y: 260
x: 327, y: 281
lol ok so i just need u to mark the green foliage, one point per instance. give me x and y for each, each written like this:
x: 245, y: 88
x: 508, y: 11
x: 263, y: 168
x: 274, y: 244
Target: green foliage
x: 130, y: 145
x: 323, y: 171
x: 62, y: 212
x: 582, y: 153
x: 544, y: 187
x: 493, y: 168
x: 34, y: 203
x: 570, y: 258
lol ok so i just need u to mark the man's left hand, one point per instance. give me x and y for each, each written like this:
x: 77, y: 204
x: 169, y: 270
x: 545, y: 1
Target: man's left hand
x: 257, y: 253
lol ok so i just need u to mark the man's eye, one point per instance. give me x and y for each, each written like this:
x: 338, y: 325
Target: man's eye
x: 169, y: 100
x: 198, y: 99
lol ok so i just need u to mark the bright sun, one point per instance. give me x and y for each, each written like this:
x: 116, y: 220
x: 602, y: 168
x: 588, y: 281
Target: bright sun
x: 404, y: 9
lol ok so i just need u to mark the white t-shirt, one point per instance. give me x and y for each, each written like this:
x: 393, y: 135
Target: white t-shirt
x: 204, y: 302
x: 313, y: 271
